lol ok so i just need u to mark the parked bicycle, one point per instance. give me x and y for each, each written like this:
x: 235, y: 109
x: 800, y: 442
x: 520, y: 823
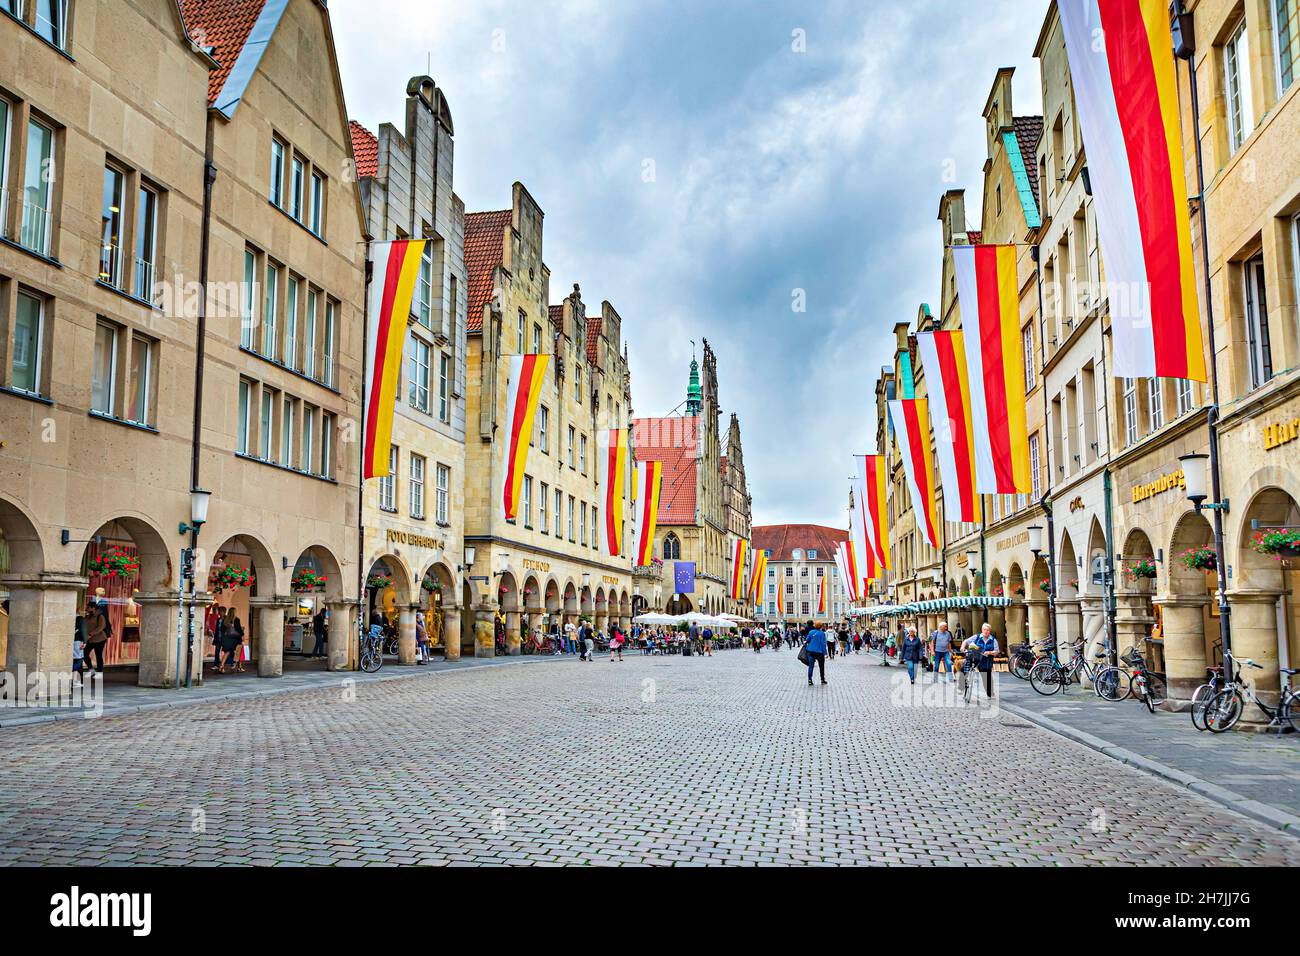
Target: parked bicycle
x: 1024, y: 656
x: 1049, y: 676
x: 1225, y: 708
x: 372, y: 650
x: 1214, y: 682
x: 1147, y: 686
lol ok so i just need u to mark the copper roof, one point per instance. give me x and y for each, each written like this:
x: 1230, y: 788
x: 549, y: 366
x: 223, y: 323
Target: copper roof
x: 783, y: 539
x: 484, y: 248
x: 222, y: 26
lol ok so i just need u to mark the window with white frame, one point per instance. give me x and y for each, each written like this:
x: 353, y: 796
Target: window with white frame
x: 1156, y: 402
x: 1257, y: 331
x: 415, y: 487
x: 582, y: 524
x: 6, y: 119
x: 264, y: 446
x: 141, y: 374
x: 528, y: 501
x: 577, y: 388
x: 582, y: 453
x: 388, y: 483
x: 519, y: 333
x: 1286, y: 32
x: 537, y: 339
x: 36, y: 231
x: 276, y: 193
x: 1183, y: 396
x: 103, y: 376
x: 243, y: 425
x: 287, y: 434
x: 327, y: 343
x: 248, y: 320
x: 308, y: 439
x: 543, y: 424
x: 444, y: 387
x: 573, y: 510
x: 595, y: 523
x: 296, y: 185
x: 327, y: 445
x: 418, y: 374
x: 146, y: 242
x: 543, y: 501
x: 27, y: 346
x: 1129, y: 387
x: 270, y: 306
x: 317, y: 202
x: 424, y: 288
x: 444, y: 494
x: 111, y: 228
x: 1027, y: 345
x: 1035, y: 467
x: 291, y: 321
x: 573, y: 438
x: 1236, y: 87
x: 51, y: 21
x: 309, y: 363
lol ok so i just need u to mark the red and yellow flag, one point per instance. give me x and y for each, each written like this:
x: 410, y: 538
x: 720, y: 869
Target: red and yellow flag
x: 989, y: 290
x: 649, y: 482
x: 943, y: 357
x: 612, y: 465
x: 821, y: 595
x: 757, y: 575
x: 524, y: 386
x: 871, y: 469
x: 739, y: 553
x: 394, y: 268
x: 911, y: 429
x: 1126, y: 91
x: 780, y: 598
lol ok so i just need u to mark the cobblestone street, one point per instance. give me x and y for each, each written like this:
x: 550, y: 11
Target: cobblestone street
x: 669, y: 761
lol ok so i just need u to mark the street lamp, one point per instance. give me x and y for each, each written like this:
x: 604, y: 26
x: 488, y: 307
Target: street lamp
x: 1196, y: 480
x: 1036, y: 539
x: 199, y: 499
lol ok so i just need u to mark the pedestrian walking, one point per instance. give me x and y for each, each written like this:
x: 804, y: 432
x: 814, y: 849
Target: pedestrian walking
x: 815, y: 649
x: 98, y: 630
x: 588, y: 643
x: 912, y: 648
x: 78, y: 649
x: 615, y: 645
x: 987, y: 644
x: 421, y: 640
x: 320, y: 631
x: 232, y: 641
x: 941, y: 640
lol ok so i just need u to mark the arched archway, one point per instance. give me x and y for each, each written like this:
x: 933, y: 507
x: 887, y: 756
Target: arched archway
x: 507, y: 622
x: 1135, y: 613
x: 440, y: 609
x: 1069, y: 617
x: 1189, y: 631
x: 1036, y: 591
x: 26, y: 639
x: 1016, y: 618
x: 242, y: 580
x: 316, y: 583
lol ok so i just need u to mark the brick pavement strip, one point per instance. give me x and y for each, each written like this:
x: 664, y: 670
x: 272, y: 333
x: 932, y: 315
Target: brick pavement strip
x: 677, y: 761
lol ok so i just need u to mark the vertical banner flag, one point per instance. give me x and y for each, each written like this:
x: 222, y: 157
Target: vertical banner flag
x: 611, y: 473
x: 861, y: 552
x: 1126, y: 88
x: 910, y: 417
x: 842, y: 566
x: 871, y: 470
x: 756, y: 581
x: 741, y: 550
x: 683, y: 577
x: 821, y: 595
x: 780, y: 598
x: 649, y: 482
x: 394, y: 267
x: 526, y: 374
x: 943, y: 357
x: 990, y: 317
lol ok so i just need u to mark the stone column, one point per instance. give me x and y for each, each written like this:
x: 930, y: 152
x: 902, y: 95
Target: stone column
x: 1069, y: 624
x: 1184, y: 635
x: 1093, y: 617
x: 342, y: 638
x: 954, y: 618
x: 484, y: 639
x: 158, y: 639
x: 270, y: 634
x: 998, y: 621
x: 43, y: 612
x: 513, y: 637
x: 1254, y: 635
x: 625, y: 623
x: 533, y: 621
x: 451, y: 631
x: 1132, y: 621
x: 1015, y: 624
x: 406, y: 634
x: 1038, y: 612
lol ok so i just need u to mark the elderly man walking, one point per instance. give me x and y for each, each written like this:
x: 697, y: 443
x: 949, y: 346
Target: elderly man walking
x: 941, y: 640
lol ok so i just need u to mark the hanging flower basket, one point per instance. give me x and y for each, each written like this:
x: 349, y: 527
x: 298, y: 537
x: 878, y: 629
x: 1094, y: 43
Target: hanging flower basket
x: 114, y: 562
x: 1073, y: 582
x: 1199, y: 559
x: 379, y: 582
x: 1142, y: 570
x: 1018, y: 590
x: 231, y: 576
x: 308, y: 580
x: 431, y: 584
x: 1279, y: 542
x: 1045, y: 586
x: 999, y: 591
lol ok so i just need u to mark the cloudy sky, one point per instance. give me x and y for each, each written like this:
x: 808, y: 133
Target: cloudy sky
x: 705, y: 165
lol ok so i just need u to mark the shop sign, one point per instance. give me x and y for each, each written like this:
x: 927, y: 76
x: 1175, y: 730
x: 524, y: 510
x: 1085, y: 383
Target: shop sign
x: 531, y: 565
x: 1008, y: 543
x: 1281, y: 434
x: 415, y: 540
x: 1162, y: 484
x: 609, y: 580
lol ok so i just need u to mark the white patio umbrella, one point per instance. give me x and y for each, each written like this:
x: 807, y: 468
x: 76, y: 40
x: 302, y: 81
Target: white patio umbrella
x: 655, y: 619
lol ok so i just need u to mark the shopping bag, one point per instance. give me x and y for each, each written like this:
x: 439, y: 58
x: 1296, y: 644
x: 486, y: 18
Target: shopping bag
x: 803, y: 655
x: 245, y: 653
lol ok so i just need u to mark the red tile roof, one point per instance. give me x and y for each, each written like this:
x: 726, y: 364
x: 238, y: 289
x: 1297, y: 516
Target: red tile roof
x: 365, y: 149
x: 557, y: 315
x: 223, y: 26
x: 676, y: 443
x: 782, y: 539
x: 484, y: 248
x: 594, y: 327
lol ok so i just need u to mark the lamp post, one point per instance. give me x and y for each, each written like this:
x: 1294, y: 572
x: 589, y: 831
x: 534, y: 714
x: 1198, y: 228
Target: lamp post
x: 199, y: 500
x: 1182, y: 28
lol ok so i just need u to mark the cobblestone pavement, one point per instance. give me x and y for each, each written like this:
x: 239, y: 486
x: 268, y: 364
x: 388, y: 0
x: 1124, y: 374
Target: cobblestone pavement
x: 681, y: 761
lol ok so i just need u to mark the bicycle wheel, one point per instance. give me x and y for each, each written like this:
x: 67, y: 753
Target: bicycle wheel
x: 1156, y: 692
x: 1020, y: 667
x: 1200, y: 698
x: 1112, y: 684
x: 1290, y: 711
x: 1045, y: 678
x: 1223, y: 711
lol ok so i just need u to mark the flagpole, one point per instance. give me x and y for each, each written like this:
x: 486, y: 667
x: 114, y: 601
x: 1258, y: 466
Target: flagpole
x: 1186, y: 50
x: 361, y: 460
x: 1045, y: 499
